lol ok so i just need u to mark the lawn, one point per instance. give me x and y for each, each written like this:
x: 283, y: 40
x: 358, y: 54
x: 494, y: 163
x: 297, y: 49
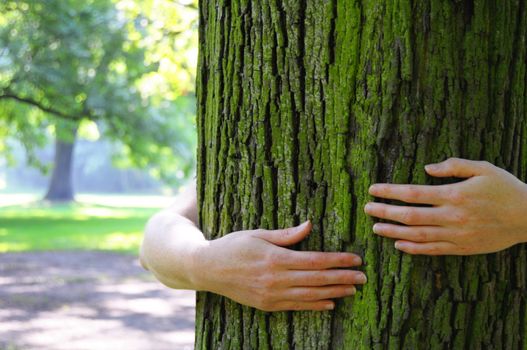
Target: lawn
x: 79, y: 226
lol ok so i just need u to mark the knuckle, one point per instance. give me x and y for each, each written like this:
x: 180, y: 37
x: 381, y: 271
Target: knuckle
x: 343, y: 291
x: 486, y: 164
x: 321, y: 279
x: 408, y: 216
x: 452, y: 163
x: 316, y: 307
x: 265, y: 305
x: 296, y: 307
x: 347, y: 278
x: 421, y: 235
x: 268, y: 281
x: 466, y: 234
x: 308, y: 294
x: 259, y: 291
x: 314, y: 260
x: 469, y: 237
x: 265, y: 299
x: 383, y: 188
x: 460, y: 218
x: 409, y: 250
x: 259, y: 231
x: 342, y: 259
x: 464, y: 250
x: 429, y: 251
x: 456, y: 197
x: 273, y: 259
x: 412, y: 193
x: 286, y: 232
x: 379, y: 210
x: 434, y: 251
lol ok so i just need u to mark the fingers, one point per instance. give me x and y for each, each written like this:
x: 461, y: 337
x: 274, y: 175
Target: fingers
x: 308, y: 290
x: 406, y: 215
x: 319, y: 305
x: 325, y: 278
x: 287, y: 236
x: 318, y: 293
x: 429, y: 248
x: 409, y: 193
x: 457, y: 167
x: 411, y: 233
x: 299, y: 260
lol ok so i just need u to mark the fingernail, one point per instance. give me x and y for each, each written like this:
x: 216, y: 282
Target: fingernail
x: 367, y: 207
x: 429, y: 167
x: 399, y: 245
x: 376, y: 228
x: 357, y: 260
x: 351, y: 291
x: 362, y: 278
x: 372, y: 189
x: 330, y: 306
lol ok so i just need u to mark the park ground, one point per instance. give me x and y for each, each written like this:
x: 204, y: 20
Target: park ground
x: 70, y: 278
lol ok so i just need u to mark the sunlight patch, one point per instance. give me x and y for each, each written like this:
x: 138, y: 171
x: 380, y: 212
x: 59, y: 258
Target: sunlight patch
x: 121, y: 240
x: 13, y: 247
x: 101, y: 212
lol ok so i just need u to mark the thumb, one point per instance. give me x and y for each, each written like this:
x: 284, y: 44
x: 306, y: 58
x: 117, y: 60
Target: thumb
x: 287, y: 236
x: 457, y: 167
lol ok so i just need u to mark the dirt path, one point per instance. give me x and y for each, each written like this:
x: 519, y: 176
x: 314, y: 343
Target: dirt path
x: 89, y: 300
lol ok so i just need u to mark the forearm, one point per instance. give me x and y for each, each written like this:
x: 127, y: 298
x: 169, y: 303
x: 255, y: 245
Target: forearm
x: 523, y: 204
x: 169, y: 249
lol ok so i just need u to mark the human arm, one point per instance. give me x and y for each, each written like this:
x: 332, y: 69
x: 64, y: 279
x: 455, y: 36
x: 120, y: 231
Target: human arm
x: 251, y: 267
x: 485, y: 213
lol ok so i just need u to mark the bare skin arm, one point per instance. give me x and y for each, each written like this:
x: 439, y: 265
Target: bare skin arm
x: 483, y: 214
x: 251, y: 267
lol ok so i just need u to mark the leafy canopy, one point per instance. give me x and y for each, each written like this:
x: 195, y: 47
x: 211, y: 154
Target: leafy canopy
x: 125, y: 66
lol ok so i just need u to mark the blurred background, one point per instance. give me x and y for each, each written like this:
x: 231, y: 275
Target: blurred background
x: 97, y: 132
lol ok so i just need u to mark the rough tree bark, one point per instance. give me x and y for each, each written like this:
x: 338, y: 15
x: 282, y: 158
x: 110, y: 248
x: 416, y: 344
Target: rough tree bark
x: 61, y: 183
x: 304, y: 103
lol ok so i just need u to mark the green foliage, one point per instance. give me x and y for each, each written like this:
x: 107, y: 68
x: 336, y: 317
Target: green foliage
x: 126, y: 65
x: 72, y: 226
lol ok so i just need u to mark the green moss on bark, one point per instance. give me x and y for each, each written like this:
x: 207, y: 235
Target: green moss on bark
x: 303, y: 104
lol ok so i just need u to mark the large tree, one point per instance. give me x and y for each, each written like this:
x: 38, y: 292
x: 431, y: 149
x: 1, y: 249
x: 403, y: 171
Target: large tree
x: 303, y: 104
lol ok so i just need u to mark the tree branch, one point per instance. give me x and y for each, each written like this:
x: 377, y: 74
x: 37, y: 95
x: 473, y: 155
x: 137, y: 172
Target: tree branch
x: 39, y: 105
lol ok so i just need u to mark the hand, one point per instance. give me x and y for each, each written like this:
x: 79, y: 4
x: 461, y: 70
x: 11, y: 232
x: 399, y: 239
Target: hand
x: 251, y: 268
x: 485, y: 213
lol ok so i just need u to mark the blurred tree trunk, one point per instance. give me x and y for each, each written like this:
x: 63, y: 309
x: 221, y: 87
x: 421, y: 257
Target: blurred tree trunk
x: 61, y: 183
x: 303, y: 104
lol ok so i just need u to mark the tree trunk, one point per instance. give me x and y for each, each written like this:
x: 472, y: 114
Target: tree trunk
x: 302, y: 105
x: 61, y: 185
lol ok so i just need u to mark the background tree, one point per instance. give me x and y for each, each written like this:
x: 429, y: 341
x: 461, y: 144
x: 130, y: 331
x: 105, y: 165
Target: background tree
x: 120, y: 64
x: 303, y: 104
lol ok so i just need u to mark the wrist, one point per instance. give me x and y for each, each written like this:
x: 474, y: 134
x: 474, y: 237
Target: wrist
x: 197, y: 267
x: 523, y: 228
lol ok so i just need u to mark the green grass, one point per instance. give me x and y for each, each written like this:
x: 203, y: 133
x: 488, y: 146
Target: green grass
x: 38, y: 226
